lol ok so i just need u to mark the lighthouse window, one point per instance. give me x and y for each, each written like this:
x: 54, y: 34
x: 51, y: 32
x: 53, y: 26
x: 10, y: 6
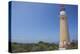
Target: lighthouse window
x: 62, y: 18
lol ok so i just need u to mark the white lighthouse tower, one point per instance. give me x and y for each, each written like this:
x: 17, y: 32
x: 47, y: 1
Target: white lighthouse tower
x: 64, y: 33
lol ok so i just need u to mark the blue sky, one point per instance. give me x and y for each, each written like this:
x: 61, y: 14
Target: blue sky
x: 34, y: 22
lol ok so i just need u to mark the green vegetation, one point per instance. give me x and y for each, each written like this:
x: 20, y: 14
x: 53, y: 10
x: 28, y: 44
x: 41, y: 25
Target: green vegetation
x: 73, y: 45
x: 28, y: 47
x: 40, y: 46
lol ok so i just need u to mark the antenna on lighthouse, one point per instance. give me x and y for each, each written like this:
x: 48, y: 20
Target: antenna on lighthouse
x: 62, y: 8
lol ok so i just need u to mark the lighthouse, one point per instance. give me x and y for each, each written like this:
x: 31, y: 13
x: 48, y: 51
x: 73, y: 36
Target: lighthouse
x: 64, y: 31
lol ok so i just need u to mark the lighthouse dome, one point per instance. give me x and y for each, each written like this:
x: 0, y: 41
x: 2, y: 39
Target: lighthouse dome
x: 62, y: 13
